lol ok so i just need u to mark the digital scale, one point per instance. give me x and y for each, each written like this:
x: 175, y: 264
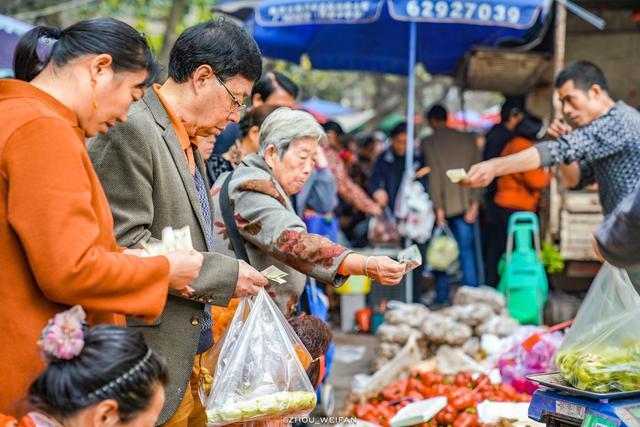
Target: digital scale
x: 560, y: 405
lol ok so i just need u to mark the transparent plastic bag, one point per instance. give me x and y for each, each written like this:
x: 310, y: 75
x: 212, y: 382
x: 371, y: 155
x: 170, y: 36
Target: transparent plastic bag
x: 601, y: 352
x: 518, y: 362
x: 383, y: 229
x: 215, y: 360
x: 263, y: 377
x: 443, y: 250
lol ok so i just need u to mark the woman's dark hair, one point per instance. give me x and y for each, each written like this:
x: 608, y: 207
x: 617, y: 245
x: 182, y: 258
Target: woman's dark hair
x: 227, y: 48
x: 255, y: 117
x: 333, y: 126
x: 128, y: 48
x: 511, y: 107
x: 366, y: 141
x: 115, y: 363
x: 529, y: 127
x: 314, y: 334
x: 270, y: 82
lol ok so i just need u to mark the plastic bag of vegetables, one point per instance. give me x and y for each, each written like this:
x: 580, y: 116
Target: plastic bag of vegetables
x: 443, y: 249
x: 214, y: 361
x: 261, y: 376
x: 601, y: 352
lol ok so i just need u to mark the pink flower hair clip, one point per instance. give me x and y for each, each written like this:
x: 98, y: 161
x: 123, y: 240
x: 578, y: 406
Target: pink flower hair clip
x: 63, y: 337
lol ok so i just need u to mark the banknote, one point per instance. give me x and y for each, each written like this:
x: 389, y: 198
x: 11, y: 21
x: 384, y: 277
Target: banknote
x: 410, y: 257
x: 274, y: 274
x: 173, y: 240
x: 457, y: 175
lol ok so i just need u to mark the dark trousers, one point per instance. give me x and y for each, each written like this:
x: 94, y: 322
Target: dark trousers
x: 491, y: 247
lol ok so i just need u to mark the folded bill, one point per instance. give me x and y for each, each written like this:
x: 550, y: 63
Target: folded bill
x: 274, y: 274
x: 173, y: 240
x: 457, y: 175
x: 410, y: 257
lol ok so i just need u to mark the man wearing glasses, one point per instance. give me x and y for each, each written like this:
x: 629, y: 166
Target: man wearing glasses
x: 154, y: 178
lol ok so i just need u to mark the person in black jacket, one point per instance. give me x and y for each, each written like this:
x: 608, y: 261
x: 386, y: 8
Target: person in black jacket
x: 512, y: 114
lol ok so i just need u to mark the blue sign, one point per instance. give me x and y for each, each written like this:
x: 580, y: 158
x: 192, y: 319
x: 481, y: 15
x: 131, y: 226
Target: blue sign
x: 296, y: 12
x: 498, y: 13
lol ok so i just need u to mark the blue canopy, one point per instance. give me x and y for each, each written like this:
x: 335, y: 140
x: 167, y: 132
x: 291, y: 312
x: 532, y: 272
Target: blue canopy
x: 326, y: 108
x: 372, y: 35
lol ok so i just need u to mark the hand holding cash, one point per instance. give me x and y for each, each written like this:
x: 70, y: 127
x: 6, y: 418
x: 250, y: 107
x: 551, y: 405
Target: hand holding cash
x: 274, y: 274
x: 173, y: 241
x: 410, y: 257
x: 456, y: 175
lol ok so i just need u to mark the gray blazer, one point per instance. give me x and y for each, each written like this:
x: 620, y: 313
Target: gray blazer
x: 146, y: 177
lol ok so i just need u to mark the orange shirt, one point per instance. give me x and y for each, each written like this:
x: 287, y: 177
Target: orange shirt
x: 520, y: 191
x: 57, y: 246
x: 188, y: 144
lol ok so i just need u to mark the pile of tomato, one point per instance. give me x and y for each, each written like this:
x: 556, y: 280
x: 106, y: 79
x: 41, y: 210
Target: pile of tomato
x: 463, y: 393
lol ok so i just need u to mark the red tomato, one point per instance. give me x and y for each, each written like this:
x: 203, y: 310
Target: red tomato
x: 466, y: 420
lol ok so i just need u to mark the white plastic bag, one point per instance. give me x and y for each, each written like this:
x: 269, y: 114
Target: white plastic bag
x: 443, y: 249
x: 414, y: 210
x: 263, y: 378
x: 601, y: 352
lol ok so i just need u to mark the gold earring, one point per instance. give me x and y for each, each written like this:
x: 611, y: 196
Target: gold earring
x: 95, y: 104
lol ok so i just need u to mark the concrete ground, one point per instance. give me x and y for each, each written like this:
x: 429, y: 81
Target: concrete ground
x: 343, y: 373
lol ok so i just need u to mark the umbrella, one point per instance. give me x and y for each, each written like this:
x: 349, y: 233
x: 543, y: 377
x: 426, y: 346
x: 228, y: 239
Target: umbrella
x: 10, y: 32
x: 391, y: 36
x: 239, y: 9
x: 374, y: 35
x: 326, y: 108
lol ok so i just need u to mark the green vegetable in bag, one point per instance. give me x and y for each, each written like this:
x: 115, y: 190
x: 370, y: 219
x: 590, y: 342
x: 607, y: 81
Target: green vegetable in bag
x: 443, y: 250
x: 281, y: 403
x: 601, y: 351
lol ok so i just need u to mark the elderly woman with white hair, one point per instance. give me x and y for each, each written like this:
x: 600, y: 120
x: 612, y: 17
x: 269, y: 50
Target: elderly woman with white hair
x: 255, y: 220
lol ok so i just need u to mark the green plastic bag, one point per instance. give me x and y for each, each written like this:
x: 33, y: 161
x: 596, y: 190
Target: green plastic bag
x: 443, y: 250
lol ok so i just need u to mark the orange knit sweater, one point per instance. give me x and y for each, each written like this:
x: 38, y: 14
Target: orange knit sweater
x: 520, y: 191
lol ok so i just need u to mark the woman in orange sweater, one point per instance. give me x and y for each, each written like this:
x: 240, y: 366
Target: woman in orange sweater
x: 519, y: 191
x: 57, y: 246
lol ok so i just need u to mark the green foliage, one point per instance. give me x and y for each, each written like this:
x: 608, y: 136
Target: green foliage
x: 551, y: 258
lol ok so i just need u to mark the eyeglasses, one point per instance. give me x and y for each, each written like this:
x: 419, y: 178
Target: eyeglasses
x: 239, y: 106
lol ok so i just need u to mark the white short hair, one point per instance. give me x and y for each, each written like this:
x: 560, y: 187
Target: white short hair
x: 284, y: 125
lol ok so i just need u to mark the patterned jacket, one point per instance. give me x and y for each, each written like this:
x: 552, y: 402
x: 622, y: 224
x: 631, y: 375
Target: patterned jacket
x: 348, y: 190
x: 273, y: 233
x: 608, y: 149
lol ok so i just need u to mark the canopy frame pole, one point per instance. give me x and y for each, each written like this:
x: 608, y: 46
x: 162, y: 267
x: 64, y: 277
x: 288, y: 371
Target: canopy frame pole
x: 408, y: 158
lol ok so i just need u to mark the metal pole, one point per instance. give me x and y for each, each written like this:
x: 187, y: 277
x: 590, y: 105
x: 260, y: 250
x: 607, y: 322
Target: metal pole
x: 408, y: 159
x: 555, y: 190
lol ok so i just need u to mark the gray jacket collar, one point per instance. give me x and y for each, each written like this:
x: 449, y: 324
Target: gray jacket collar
x: 254, y: 160
x: 173, y: 144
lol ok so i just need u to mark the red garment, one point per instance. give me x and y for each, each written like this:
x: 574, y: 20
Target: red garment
x: 347, y: 189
